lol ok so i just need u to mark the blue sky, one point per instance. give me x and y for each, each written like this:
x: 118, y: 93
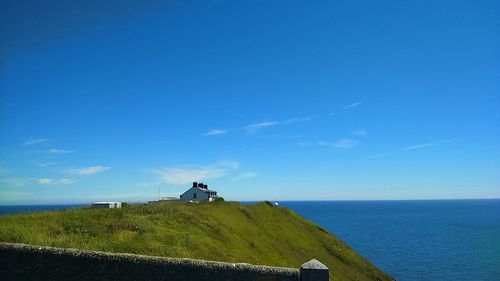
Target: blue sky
x: 279, y: 100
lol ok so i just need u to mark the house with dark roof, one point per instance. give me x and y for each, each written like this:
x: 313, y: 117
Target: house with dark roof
x: 199, y: 192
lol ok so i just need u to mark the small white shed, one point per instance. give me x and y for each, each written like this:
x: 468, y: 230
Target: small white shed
x: 107, y: 205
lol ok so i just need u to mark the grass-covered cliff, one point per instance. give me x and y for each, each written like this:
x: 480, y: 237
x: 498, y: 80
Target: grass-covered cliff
x: 222, y: 231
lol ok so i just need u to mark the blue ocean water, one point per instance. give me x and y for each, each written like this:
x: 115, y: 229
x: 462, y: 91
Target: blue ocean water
x: 4, y: 210
x: 441, y: 240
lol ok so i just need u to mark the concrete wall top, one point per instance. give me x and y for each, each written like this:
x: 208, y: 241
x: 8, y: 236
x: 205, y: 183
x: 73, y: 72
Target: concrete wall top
x: 26, y: 262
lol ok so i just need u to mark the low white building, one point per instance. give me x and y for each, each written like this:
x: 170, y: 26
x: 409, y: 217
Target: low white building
x: 107, y: 205
x: 164, y: 200
x: 199, y: 192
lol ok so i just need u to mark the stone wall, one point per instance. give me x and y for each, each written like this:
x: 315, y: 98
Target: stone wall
x: 24, y: 262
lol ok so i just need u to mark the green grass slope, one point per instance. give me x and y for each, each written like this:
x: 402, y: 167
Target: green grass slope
x: 221, y: 231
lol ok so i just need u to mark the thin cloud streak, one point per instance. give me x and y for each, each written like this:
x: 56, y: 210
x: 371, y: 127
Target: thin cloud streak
x: 344, y: 109
x: 341, y: 144
x: 87, y: 171
x: 46, y: 164
x: 258, y: 126
x: 63, y: 181
x: 215, y: 132
x: 346, y: 143
x: 58, y: 151
x: 35, y: 141
x: 254, y: 128
x: 428, y: 144
x: 418, y: 146
x: 352, y: 105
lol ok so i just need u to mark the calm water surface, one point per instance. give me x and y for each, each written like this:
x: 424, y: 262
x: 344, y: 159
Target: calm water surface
x: 441, y: 240
x: 4, y: 210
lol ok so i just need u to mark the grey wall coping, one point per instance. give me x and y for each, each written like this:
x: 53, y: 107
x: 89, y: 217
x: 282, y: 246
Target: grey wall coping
x: 26, y: 261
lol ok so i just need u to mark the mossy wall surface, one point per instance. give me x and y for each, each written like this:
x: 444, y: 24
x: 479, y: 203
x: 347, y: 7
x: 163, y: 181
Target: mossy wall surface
x: 24, y: 262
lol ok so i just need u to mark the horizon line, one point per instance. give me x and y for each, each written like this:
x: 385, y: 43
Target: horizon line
x: 244, y: 201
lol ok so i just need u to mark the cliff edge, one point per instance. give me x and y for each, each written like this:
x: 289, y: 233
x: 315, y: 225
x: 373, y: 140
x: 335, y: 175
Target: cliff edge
x: 220, y: 231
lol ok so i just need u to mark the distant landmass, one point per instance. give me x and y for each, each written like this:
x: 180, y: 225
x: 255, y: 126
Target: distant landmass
x: 222, y: 231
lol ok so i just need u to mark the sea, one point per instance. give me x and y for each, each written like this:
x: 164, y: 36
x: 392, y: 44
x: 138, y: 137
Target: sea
x: 445, y: 240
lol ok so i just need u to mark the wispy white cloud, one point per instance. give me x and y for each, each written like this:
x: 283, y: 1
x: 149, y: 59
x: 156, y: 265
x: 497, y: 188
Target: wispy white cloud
x: 257, y: 127
x: 58, y: 151
x: 185, y: 175
x: 215, y: 132
x: 360, y: 132
x: 87, y: 171
x: 418, y: 146
x: 254, y: 128
x: 344, y: 109
x: 46, y: 164
x: 245, y: 175
x: 425, y: 145
x: 341, y: 144
x: 45, y: 181
x: 35, y: 141
x: 346, y: 143
x: 352, y: 105
x: 63, y: 181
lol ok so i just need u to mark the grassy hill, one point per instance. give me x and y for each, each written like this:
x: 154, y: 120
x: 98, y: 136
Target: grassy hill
x: 221, y: 231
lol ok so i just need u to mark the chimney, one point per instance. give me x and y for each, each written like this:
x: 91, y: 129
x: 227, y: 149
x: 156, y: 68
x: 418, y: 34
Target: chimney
x: 195, y: 184
x: 200, y: 185
x: 205, y: 186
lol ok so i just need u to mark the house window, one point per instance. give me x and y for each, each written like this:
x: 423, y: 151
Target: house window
x: 194, y: 195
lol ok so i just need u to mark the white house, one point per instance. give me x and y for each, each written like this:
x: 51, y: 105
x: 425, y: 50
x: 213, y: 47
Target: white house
x: 107, y: 205
x: 199, y: 192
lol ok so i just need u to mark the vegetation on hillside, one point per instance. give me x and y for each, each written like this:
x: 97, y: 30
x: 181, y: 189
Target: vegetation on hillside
x: 222, y: 231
